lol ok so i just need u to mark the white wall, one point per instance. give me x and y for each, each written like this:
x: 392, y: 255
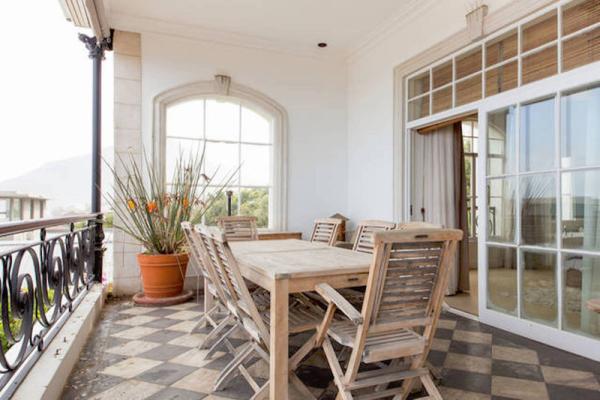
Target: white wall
x: 371, y: 104
x: 312, y: 90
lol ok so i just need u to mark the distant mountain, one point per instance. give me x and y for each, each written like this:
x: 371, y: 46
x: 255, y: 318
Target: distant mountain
x: 65, y: 183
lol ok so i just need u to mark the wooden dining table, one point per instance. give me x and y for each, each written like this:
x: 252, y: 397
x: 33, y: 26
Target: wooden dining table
x: 293, y: 266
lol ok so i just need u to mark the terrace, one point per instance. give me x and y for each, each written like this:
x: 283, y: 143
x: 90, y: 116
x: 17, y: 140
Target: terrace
x: 486, y: 126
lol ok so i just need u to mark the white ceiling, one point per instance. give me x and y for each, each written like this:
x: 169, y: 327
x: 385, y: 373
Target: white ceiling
x: 343, y: 24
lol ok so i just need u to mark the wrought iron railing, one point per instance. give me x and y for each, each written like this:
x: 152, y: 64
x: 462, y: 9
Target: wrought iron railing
x: 42, y: 281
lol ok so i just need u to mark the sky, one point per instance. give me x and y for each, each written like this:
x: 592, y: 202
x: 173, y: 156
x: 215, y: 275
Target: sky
x: 45, y: 88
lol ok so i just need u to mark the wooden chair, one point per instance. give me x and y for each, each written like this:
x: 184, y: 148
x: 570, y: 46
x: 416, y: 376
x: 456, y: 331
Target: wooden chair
x: 325, y: 230
x: 238, y: 228
x: 403, y: 300
x: 364, y: 234
x: 255, y: 319
x: 218, y: 317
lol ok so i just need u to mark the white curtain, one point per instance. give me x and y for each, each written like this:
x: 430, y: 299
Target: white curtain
x: 433, y: 189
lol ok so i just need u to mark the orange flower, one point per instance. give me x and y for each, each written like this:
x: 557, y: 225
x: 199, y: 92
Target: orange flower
x: 151, y: 206
x: 131, y: 204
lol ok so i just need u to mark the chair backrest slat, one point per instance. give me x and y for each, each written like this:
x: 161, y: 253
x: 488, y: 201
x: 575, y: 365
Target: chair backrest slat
x: 364, y: 234
x: 409, y: 269
x: 229, y: 272
x: 201, y: 258
x: 238, y: 228
x: 325, y: 230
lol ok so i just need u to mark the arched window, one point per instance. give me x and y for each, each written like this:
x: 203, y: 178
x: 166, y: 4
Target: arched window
x: 236, y: 131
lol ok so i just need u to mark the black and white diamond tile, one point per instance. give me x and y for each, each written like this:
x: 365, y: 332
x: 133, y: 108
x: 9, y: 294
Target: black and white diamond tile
x: 152, y: 353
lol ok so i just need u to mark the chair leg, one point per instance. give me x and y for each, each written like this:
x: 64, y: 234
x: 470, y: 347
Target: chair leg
x: 302, y: 352
x: 301, y: 387
x: 263, y: 392
x: 432, y: 390
x: 336, y: 370
x: 228, y: 372
x: 215, y: 332
x: 222, y: 340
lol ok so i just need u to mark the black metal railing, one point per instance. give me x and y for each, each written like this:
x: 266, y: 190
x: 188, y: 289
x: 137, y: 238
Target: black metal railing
x: 41, y: 283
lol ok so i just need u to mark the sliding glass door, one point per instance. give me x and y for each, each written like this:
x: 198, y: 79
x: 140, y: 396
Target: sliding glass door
x: 541, y: 198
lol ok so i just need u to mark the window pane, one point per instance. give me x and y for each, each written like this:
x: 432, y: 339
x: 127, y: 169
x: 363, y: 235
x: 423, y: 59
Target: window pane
x: 501, y: 210
x: 217, y: 201
x: 468, y: 64
x: 540, y: 31
x: 501, y: 79
x: 501, y: 142
x: 537, y: 136
x: 468, y: 90
x: 581, y: 50
x: 255, y: 202
x: 502, y: 279
x: 442, y: 99
x: 418, y: 108
x: 256, y: 165
x: 177, y: 148
x: 16, y: 210
x: 581, y: 282
x: 255, y: 127
x: 539, y: 65
x: 580, y: 136
x: 418, y: 85
x: 580, y: 222
x: 222, y: 159
x: 442, y: 74
x: 222, y: 120
x: 580, y: 14
x: 186, y: 119
x: 501, y: 49
x: 539, y: 302
x: 538, y: 210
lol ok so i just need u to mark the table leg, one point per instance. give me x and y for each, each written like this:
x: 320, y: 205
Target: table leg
x: 278, y: 387
x: 209, y: 302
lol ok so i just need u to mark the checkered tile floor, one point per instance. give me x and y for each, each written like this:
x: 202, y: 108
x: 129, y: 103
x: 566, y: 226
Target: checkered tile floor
x: 149, y: 353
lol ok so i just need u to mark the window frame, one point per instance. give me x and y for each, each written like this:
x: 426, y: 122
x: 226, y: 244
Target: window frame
x: 249, y: 98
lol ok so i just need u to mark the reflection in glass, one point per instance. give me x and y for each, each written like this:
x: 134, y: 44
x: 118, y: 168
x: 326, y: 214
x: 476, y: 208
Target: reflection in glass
x: 222, y: 120
x: 501, y: 142
x: 581, y: 282
x: 501, y: 209
x: 186, y: 119
x: 255, y: 202
x: 537, y: 134
x: 502, y: 279
x: 580, y: 219
x: 580, y: 138
x: 539, y: 296
x: 538, y: 210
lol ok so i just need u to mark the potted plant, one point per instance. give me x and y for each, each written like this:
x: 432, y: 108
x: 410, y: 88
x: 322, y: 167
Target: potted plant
x: 151, y: 212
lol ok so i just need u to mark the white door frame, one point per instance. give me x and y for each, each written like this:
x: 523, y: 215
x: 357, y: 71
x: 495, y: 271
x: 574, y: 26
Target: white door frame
x: 552, y: 86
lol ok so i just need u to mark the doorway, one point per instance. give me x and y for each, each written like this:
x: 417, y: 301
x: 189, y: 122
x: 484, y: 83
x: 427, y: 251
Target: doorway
x: 444, y: 192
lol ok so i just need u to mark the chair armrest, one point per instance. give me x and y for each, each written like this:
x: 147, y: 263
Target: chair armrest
x: 333, y: 296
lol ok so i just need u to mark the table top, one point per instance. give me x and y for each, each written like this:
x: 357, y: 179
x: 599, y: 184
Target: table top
x: 289, y: 259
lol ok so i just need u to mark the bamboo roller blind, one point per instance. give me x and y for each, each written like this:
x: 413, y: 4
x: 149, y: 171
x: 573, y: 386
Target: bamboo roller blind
x: 466, y: 77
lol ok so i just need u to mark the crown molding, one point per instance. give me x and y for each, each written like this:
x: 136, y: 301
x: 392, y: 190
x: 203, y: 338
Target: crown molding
x: 414, y: 9
x: 132, y: 23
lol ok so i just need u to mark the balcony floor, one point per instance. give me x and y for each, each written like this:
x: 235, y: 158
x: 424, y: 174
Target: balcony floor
x: 148, y: 353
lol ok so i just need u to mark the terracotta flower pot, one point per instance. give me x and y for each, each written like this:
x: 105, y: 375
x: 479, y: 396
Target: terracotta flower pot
x: 162, y: 274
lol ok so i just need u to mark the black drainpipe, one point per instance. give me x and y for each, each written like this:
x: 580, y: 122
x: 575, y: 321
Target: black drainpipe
x: 96, y: 53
